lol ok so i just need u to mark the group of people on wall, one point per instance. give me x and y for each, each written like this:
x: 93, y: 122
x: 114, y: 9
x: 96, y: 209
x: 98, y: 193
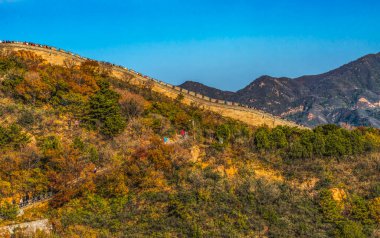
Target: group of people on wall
x: 57, y: 49
x: 26, y: 43
x: 28, y: 199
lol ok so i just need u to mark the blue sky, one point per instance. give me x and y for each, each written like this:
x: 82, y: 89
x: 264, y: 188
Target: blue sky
x: 225, y: 44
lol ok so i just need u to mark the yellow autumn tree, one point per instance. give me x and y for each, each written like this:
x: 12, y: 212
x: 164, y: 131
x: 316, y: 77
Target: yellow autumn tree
x: 33, y: 88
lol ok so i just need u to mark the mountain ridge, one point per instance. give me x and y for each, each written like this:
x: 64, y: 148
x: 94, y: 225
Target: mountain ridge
x: 322, y: 97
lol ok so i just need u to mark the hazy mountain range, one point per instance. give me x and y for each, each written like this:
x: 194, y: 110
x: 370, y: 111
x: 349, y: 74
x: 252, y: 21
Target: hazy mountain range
x: 348, y: 95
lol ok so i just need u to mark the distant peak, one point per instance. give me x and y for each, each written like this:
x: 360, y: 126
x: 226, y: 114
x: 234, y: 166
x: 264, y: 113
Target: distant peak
x: 190, y: 82
x: 265, y: 77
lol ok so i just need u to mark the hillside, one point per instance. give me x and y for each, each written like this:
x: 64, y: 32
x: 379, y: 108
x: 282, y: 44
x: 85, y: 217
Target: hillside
x: 102, y: 157
x: 225, y: 108
x: 347, y: 95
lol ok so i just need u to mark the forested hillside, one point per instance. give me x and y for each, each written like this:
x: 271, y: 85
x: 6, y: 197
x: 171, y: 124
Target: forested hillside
x: 123, y: 161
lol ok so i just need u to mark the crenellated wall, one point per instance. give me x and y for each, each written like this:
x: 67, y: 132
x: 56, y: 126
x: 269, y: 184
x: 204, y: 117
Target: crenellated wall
x: 233, y: 110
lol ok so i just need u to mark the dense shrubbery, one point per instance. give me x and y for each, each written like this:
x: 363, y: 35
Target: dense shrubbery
x: 322, y: 141
x: 131, y: 109
x: 177, y: 116
x: 351, y: 216
x: 12, y: 136
x: 11, y: 62
x: 8, y: 211
x: 26, y: 119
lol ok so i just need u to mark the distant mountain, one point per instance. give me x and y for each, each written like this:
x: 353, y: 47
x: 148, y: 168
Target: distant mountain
x: 347, y: 95
x: 206, y: 90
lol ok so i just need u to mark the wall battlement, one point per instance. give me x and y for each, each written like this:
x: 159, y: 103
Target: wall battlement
x: 232, y: 110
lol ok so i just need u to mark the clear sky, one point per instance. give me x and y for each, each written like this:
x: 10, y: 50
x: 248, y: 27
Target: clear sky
x: 225, y: 44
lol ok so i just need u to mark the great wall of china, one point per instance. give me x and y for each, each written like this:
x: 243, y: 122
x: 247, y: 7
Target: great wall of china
x: 232, y: 110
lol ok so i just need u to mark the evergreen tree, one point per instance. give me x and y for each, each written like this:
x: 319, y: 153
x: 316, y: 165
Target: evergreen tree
x: 278, y: 138
x: 262, y: 141
x: 104, y: 112
x: 330, y: 208
x: 319, y: 144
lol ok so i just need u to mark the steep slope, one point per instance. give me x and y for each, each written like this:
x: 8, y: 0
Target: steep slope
x: 225, y: 108
x: 347, y: 95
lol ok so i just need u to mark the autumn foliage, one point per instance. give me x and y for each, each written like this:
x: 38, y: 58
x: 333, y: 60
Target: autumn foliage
x: 123, y: 161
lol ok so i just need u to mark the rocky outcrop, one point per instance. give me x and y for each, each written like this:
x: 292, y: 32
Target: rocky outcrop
x: 27, y: 227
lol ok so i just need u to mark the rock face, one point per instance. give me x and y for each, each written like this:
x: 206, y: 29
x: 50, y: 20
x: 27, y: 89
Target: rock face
x: 348, y: 95
x: 27, y: 228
